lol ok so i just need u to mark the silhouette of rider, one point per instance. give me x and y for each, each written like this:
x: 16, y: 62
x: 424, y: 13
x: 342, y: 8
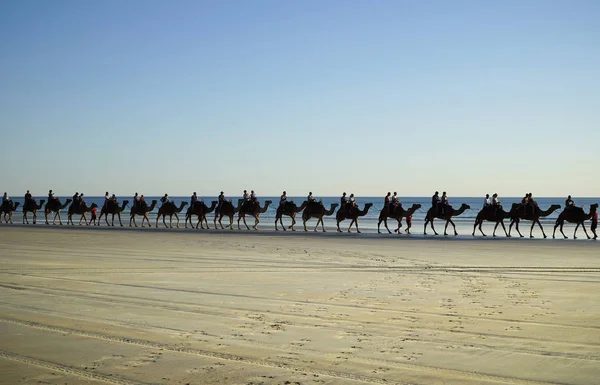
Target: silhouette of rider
x: 435, y: 202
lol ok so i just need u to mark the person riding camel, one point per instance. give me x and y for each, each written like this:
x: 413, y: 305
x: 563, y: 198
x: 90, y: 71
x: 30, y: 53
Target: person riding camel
x: 106, y: 199
x: 136, y: 201
x: 6, y: 199
x: 486, y: 201
x: 351, y: 203
x: 282, y: 200
x: 81, y: 201
x: 143, y: 204
x: 113, y: 199
x: 343, y: 201
x: 28, y: 197
x: 50, y: 196
x: 164, y: 200
x: 569, y: 203
x: 444, y: 202
x: 245, y: 196
x: 310, y: 197
x: 435, y: 202
x: 253, y: 200
x: 387, y: 202
x: 496, y: 203
x: 193, y: 199
x: 76, y: 199
x: 395, y: 200
x: 220, y: 199
x: 532, y: 204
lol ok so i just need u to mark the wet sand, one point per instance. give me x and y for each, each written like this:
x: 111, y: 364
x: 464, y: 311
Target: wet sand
x: 118, y: 306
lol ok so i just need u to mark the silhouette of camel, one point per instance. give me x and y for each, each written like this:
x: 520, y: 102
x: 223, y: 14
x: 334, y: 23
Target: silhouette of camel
x: 200, y: 209
x: 449, y: 212
x: 289, y: 209
x: 354, y: 213
x: 397, y: 214
x: 491, y: 215
x: 142, y: 210
x: 575, y: 215
x: 252, y: 209
x: 317, y: 210
x: 518, y: 213
x: 112, y: 208
x: 79, y: 210
x: 170, y: 209
x: 55, y: 206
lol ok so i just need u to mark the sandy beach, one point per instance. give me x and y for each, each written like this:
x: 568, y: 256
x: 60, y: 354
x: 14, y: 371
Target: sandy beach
x: 114, y: 306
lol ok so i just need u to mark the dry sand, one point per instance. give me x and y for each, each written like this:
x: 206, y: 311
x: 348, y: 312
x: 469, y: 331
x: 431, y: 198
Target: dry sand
x: 163, y: 307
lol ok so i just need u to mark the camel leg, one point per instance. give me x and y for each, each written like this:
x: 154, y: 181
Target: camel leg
x: 177, y: 217
x: 517, y: 227
x: 555, y: 226
x: 256, y: 222
x: 356, y: 224
x: 59, y: 219
x: 384, y: 220
x: 205, y: 220
x: 304, y: 223
x: 453, y: 226
x: 25, y: 218
x: 575, y: 232
x: 46, y: 216
x: 425, y: 226
x: 293, y: 223
x: 433, y: 228
x: 239, y: 218
x: 148, y: 219
x: 278, y: 219
x: 246, y: 224
x: 480, y: 230
x: 495, y: 227
x: 561, y: 229
x: 338, y: 227
x: 446, y: 228
x: 504, y: 228
x: 515, y: 222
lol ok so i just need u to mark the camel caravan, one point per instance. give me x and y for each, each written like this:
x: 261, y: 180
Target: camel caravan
x: 347, y: 209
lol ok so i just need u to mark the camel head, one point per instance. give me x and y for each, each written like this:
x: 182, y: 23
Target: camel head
x: 93, y: 206
x: 553, y: 207
x: 594, y: 207
x: 465, y: 206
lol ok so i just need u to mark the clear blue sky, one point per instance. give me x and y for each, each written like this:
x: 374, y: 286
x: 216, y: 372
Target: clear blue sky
x: 369, y: 96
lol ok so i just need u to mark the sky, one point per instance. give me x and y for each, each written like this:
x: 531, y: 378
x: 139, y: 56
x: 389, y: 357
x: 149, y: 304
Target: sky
x: 157, y: 97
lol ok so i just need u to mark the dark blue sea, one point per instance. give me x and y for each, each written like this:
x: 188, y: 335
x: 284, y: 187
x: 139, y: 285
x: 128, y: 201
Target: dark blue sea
x: 368, y: 223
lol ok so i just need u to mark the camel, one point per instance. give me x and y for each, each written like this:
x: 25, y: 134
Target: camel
x: 169, y: 209
x: 79, y: 210
x: 56, y: 206
x: 397, y: 214
x: 143, y: 210
x: 200, y: 209
x: 8, y: 208
x: 491, y: 215
x: 289, y: 209
x: 354, y: 213
x: 227, y: 210
x: 113, y: 208
x: 448, y: 214
x: 33, y: 208
x: 575, y: 215
x: 317, y: 210
x: 254, y: 209
x: 518, y: 213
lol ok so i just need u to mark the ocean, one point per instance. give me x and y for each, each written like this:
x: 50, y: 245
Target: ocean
x: 368, y: 223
